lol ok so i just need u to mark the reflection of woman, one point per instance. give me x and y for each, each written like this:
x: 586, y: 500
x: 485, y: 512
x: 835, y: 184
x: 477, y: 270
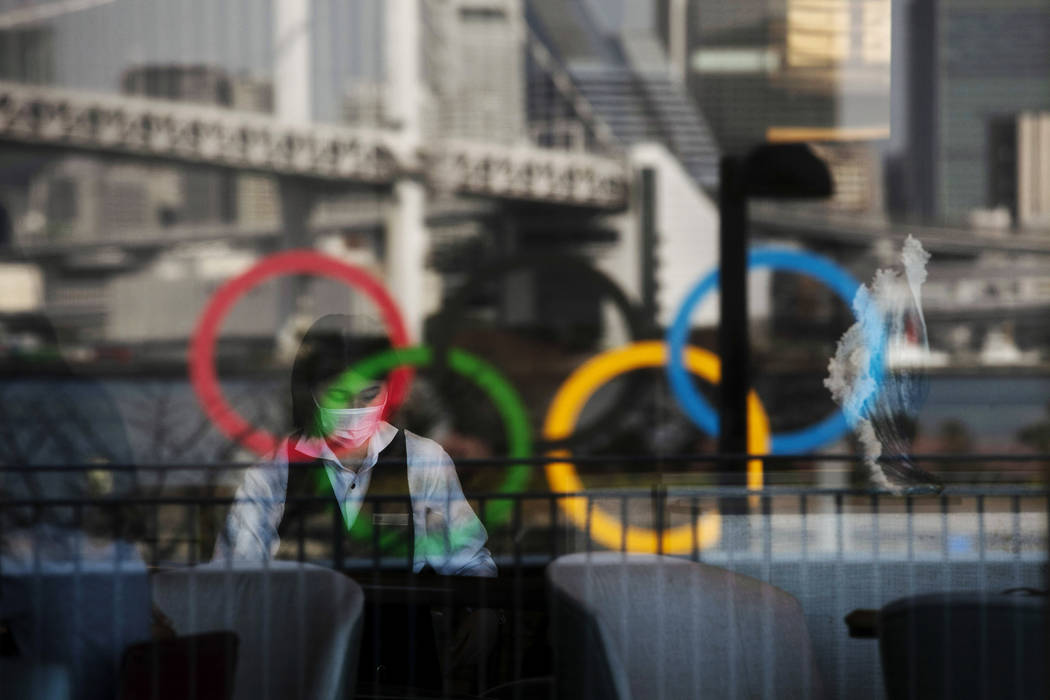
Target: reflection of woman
x: 58, y: 434
x: 341, y: 450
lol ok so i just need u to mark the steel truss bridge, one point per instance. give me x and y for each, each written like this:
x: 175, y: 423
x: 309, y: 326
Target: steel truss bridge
x: 202, y: 134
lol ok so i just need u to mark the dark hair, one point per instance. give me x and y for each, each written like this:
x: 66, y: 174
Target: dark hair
x: 334, y: 343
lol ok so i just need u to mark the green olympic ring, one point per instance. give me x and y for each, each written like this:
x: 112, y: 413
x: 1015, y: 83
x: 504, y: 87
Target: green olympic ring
x: 495, y: 386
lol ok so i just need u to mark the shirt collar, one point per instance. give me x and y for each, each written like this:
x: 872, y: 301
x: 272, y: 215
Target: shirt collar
x: 318, y: 449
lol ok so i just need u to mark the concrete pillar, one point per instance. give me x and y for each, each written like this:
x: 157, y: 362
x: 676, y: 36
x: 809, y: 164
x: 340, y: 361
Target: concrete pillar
x: 406, y: 239
x: 295, y: 305
x: 403, y: 89
x: 406, y: 252
x: 292, y: 82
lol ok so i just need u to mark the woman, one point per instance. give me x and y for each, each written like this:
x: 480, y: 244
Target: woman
x: 308, y: 501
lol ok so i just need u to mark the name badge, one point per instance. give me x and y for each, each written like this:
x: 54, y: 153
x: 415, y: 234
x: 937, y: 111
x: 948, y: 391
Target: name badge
x: 392, y: 519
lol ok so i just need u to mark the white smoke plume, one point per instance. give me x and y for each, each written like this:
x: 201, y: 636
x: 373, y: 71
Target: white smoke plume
x: 878, y: 374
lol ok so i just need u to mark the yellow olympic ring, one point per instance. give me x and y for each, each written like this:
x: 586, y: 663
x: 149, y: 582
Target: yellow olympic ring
x: 565, y: 411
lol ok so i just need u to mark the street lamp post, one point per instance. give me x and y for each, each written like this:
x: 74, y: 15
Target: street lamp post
x: 782, y: 171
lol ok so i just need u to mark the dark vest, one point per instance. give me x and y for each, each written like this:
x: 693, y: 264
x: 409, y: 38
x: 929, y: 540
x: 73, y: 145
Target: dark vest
x: 313, y: 529
x: 397, y: 641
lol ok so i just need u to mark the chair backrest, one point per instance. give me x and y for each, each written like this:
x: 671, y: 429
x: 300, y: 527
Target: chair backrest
x: 299, y: 626
x: 965, y: 645
x: 200, y: 666
x: 647, y: 626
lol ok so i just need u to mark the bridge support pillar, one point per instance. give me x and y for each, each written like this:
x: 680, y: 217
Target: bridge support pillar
x: 295, y: 305
x: 406, y: 249
x: 406, y: 239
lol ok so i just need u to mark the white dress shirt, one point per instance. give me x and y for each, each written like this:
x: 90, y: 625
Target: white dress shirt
x: 448, y: 535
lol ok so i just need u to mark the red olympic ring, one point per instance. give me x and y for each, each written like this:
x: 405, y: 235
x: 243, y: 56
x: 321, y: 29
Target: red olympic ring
x: 203, y: 376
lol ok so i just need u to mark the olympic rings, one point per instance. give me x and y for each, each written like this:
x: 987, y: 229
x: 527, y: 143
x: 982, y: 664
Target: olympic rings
x: 570, y: 398
x: 202, y: 345
x: 488, y: 379
x: 562, y: 477
x: 700, y: 411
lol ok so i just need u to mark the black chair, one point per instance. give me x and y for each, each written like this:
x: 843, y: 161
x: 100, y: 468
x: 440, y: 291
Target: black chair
x: 197, y: 667
x: 964, y: 645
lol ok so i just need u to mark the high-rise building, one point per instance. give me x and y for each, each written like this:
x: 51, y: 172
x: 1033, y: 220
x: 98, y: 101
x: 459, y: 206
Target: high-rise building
x: 199, y: 83
x: 1032, y: 158
x: 80, y: 199
x: 972, y: 68
x: 477, y: 68
x: 255, y: 194
x: 815, y: 70
x: 209, y: 195
x: 27, y: 55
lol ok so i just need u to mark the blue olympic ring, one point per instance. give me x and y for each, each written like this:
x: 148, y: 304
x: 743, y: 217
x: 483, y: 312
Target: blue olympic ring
x: 820, y: 268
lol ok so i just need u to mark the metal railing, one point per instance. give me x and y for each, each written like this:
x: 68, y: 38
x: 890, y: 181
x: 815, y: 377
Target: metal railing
x: 835, y: 548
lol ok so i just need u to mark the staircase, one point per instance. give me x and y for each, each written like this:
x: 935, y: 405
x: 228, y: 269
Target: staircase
x: 650, y: 106
x: 626, y: 80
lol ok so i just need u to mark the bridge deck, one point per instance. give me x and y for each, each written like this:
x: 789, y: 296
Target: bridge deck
x: 245, y: 140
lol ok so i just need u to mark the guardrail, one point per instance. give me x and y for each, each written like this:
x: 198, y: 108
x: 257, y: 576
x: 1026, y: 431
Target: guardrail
x: 836, y: 549
x: 978, y: 520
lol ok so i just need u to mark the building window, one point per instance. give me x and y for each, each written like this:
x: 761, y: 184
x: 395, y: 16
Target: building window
x: 832, y: 33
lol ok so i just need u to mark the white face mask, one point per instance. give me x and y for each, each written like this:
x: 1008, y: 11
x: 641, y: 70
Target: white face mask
x: 353, y: 426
